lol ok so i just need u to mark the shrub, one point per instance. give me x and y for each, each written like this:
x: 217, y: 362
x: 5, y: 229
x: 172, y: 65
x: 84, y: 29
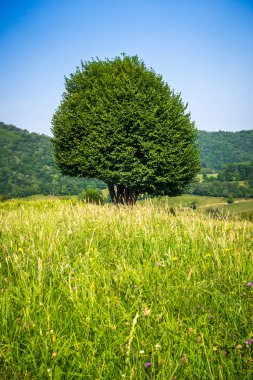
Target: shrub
x: 3, y: 197
x: 230, y: 199
x: 92, y: 196
x: 194, y: 205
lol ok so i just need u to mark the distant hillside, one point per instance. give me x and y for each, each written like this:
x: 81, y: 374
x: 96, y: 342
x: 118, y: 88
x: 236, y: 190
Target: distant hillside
x: 219, y: 148
x: 27, y: 166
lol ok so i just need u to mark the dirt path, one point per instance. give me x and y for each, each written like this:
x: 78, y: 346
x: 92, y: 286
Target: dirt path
x: 213, y: 204
x: 225, y: 203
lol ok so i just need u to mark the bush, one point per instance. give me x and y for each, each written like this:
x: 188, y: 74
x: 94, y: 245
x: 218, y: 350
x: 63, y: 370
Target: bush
x: 230, y: 199
x: 194, y: 205
x: 92, y: 196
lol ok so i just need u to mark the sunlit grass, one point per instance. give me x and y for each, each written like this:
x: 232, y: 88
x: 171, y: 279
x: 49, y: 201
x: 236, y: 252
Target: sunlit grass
x: 91, y: 292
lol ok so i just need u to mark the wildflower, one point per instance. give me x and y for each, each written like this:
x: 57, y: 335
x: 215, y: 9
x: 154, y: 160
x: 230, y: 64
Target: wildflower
x: 208, y: 255
x: 5, y: 247
x: 158, y: 346
x: 175, y: 258
x: 146, y: 311
x: 20, y: 249
x: 249, y: 284
x: 249, y: 341
x: 211, y: 316
x: 147, y: 364
x: 142, y: 352
x: 239, y: 346
x: 158, y: 264
x: 185, y: 359
x: 199, y: 307
x: 54, y: 354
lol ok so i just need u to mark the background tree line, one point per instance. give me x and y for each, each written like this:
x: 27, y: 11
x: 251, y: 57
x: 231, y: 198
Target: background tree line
x: 27, y: 165
x: 234, y: 180
x: 219, y: 148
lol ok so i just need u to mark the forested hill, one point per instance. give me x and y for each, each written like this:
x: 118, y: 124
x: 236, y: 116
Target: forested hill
x: 219, y: 148
x: 27, y: 166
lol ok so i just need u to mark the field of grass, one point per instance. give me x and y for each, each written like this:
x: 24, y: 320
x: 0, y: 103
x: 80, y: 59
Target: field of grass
x: 187, y: 200
x: 240, y: 207
x: 100, y: 292
x: 204, y: 203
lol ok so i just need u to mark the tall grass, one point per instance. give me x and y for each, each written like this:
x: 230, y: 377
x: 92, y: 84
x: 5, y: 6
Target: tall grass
x: 91, y: 292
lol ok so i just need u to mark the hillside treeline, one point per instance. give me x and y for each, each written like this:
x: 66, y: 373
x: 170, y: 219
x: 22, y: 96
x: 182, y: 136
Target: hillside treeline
x: 219, y: 148
x: 27, y: 165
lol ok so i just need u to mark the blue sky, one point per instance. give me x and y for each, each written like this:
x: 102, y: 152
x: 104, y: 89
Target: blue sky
x: 203, y: 49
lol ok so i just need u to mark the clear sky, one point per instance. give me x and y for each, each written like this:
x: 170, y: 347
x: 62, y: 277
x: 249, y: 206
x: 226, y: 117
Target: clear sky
x: 202, y: 48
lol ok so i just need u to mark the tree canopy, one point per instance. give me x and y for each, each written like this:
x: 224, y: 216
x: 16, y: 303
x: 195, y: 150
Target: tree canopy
x: 118, y: 121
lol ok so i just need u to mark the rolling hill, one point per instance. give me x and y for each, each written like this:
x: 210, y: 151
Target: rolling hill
x: 27, y: 166
x: 219, y: 148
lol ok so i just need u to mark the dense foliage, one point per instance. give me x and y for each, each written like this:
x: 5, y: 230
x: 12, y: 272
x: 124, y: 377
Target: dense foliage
x: 234, y: 180
x: 120, y: 122
x: 222, y: 189
x: 27, y: 166
x: 219, y: 148
x: 237, y: 172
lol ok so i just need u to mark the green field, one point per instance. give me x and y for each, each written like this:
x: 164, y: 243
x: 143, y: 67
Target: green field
x: 187, y: 200
x: 105, y: 292
x: 203, y: 203
x: 241, y: 206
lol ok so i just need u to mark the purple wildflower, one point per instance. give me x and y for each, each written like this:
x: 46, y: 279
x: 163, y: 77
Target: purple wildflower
x: 147, y: 364
x: 199, y: 307
x: 249, y: 341
x: 249, y: 284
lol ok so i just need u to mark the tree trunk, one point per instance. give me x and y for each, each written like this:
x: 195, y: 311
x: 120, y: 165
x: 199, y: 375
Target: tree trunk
x: 112, y: 191
x: 122, y: 195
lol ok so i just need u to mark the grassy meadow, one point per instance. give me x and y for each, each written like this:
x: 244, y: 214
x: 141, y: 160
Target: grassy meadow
x: 101, y: 292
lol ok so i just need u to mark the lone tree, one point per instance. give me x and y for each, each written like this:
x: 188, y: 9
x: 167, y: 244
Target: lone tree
x: 121, y: 123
